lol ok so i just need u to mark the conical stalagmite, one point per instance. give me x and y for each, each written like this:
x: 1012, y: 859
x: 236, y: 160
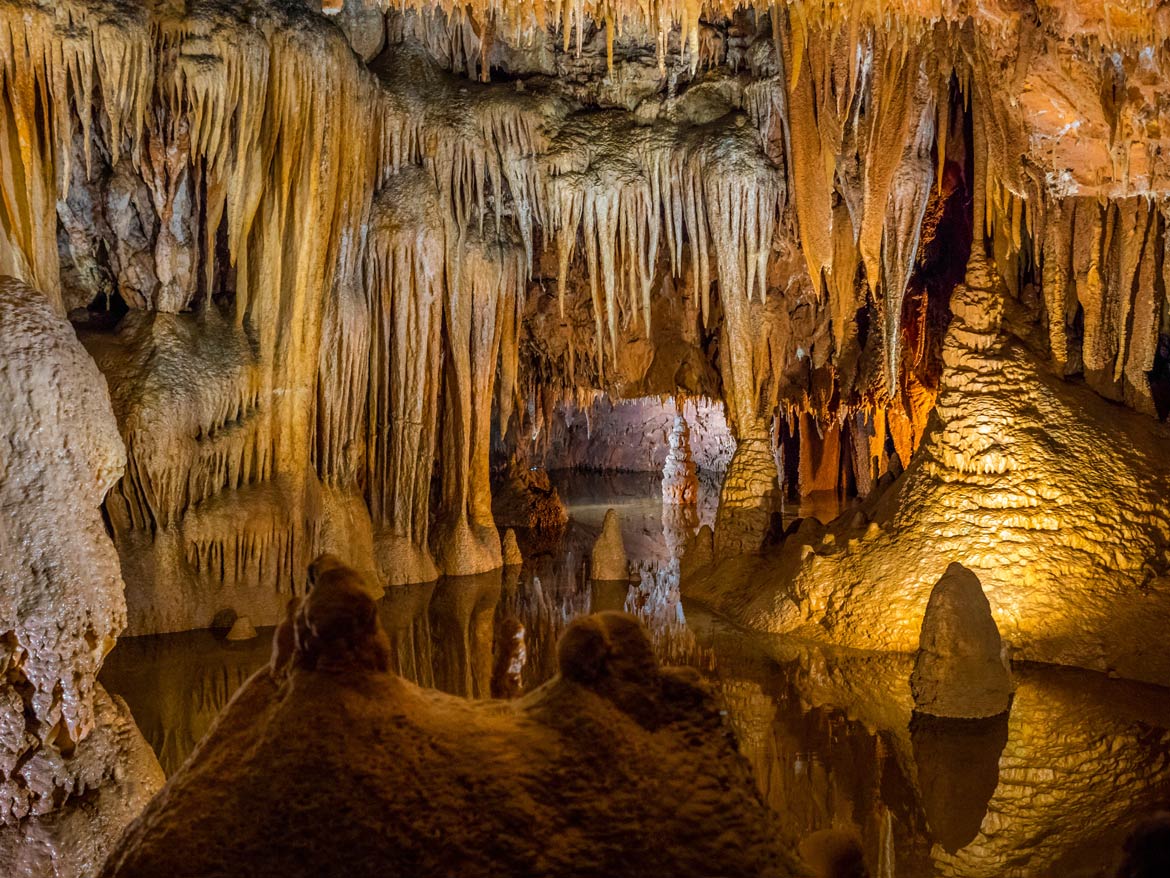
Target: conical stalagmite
x: 960, y: 670
x: 609, y: 561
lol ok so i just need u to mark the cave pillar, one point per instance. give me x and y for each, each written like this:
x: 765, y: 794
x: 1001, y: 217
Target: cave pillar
x: 820, y: 456
x: 750, y: 491
x: 405, y: 277
x: 483, y: 277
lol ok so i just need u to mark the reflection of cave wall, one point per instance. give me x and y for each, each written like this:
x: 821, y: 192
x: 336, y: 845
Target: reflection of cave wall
x: 832, y: 744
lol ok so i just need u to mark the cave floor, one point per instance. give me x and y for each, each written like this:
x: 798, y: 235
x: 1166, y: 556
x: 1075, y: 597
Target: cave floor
x: 1050, y: 789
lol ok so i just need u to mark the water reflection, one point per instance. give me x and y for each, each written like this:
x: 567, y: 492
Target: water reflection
x: 1049, y: 789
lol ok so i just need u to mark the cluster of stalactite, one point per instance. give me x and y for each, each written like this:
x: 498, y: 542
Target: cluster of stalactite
x: 330, y: 265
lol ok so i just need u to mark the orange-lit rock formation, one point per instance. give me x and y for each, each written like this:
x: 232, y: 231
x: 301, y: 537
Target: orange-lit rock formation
x: 74, y: 769
x: 553, y: 783
x: 325, y: 252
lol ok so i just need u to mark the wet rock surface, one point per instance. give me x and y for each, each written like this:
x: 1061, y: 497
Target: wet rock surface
x: 73, y: 767
x: 557, y: 782
x: 960, y: 669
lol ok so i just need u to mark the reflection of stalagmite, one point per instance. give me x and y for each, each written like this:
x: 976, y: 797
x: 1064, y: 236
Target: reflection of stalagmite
x: 958, y: 770
x: 462, y: 616
x: 609, y: 561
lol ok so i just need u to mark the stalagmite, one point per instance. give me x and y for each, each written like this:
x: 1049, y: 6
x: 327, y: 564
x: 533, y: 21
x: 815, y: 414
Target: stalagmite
x: 609, y: 561
x: 294, y: 725
x: 680, y: 484
x: 960, y: 670
x: 511, y: 550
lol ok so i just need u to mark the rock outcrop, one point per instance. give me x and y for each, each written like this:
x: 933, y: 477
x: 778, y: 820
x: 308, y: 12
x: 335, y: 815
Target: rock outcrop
x: 609, y: 560
x: 73, y: 767
x: 556, y: 783
x: 511, y: 550
x: 528, y: 500
x: 1030, y: 482
x: 960, y: 670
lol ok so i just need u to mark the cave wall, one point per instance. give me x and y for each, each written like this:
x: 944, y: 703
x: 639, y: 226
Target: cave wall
x: 317, y: 256
x: 74, y: 770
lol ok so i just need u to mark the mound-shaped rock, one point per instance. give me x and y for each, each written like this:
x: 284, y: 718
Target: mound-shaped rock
x: 327, y: 764
x: 960, y: 671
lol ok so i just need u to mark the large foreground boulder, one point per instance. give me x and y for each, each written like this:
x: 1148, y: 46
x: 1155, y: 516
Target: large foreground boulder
x: 960, y: 670
x: 326, y: 763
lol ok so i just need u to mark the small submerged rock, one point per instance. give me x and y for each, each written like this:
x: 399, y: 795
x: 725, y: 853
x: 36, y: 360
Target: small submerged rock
x: 242, y: 629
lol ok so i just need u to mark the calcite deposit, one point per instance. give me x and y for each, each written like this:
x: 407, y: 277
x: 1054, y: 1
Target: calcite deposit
x: 960, y: 670
x: 1050, y: 495
x: 556, y: 783
x: 329, y: 254
x: 609, y: 562
x: 73, y: 767
x: 358, y: 274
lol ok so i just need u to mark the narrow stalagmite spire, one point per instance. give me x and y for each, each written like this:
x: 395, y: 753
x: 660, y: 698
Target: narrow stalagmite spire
x: 609, y: 552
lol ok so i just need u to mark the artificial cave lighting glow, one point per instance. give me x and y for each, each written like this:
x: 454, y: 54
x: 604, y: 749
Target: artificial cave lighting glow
x: 352, y: 350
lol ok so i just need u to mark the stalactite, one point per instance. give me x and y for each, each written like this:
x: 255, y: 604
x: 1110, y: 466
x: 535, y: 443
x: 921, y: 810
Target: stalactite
x: 44, y: 80
x: 908, y: 194
x: 343, y: 381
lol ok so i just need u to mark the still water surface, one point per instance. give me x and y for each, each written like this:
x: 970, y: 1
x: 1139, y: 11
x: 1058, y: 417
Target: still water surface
x: 1049, y: 790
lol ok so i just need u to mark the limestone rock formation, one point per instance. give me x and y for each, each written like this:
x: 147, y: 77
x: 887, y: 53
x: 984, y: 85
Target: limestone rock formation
x: 325, y: 260
x: 960, y: 670
x: 528, y: 500
x: 73, y: 767
x: 1030, y: 482
x: 242, y: 629
x: 556, y: 783
x: 609, y: 561
x: 512, y: 556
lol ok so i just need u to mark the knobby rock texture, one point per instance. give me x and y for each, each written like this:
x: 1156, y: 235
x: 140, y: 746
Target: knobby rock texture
x: 554, y: 783
x: 74, y: 769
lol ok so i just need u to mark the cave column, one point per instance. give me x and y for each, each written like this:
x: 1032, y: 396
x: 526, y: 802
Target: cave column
x: 750, y: 492
x: 484, y: 276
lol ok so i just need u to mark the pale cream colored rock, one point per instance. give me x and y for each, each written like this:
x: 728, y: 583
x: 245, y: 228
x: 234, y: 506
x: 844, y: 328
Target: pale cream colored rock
x: 609, y: 561
x: 680, y: 482
x: 61, y: 603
